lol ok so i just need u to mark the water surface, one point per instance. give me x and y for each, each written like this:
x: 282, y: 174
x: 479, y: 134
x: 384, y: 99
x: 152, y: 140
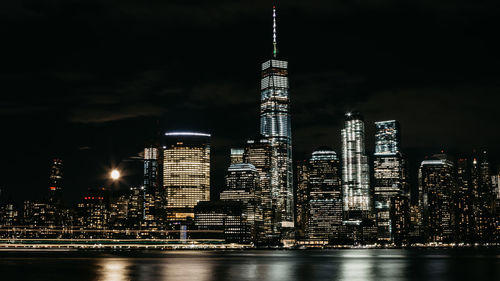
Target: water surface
x: 312, y: 265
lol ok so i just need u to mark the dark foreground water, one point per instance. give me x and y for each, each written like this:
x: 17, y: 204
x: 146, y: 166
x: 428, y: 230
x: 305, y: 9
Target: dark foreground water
x: 425, y: 264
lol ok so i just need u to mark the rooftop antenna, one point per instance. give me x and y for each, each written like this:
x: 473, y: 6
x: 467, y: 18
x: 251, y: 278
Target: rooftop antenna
x: 275, y: 44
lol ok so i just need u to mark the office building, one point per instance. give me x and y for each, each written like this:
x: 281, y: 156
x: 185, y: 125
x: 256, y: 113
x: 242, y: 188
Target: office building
x: 483, y: 198
x: 390, y: 175
x: 324, y: 196
x: 56, y: 182
x: 186, y: 172
x: 355, y: 170
x: 275, y: 124
x: 436, y: 190
x: 221, y: 220
x: 259, y: 153
x: 242, y: 185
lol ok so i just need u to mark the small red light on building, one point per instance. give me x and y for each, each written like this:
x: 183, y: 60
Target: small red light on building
x: 52, y: 188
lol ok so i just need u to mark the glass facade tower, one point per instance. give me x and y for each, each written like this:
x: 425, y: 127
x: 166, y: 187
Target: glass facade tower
x: 355, y: 170
x: 276, y: 126
x: 151, y: 169
x: 436, y: 188
x: 390, y: 175
x: 324, y: 195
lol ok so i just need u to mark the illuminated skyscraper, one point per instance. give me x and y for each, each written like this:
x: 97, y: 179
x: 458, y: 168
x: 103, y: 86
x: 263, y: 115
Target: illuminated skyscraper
x: 259, y: 153
x: 186, y: 172
x: 276, y: 126
x: 390, y: 175
x: 56, y: 181
x: 324, y: 196
x: 151, y: 179
x: 242, y: 185
x: 355, y: 169
x: 483, y: 198
x: 464, y: 215
x: 436, y: 189
x: 153, y: 195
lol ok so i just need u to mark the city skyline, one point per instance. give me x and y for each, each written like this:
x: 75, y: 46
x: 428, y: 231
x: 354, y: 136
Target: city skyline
x: 72, y: 137
x: 263, y: 140
x: 347, y: 200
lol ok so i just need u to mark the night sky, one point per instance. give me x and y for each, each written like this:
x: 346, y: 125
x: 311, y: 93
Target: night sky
x: 93, y: 81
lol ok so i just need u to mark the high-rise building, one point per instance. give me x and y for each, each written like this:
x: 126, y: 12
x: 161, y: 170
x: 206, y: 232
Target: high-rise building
x: 483, y: 198
x: 436, y: 190
x: 56, y: 182
x: 324, y: 196
x: 463, y: 201
x: 151, y: 176
x: 302, y: 199
x: 242, y: 185
x: 237, y: 155
x: 153, y: 195
x: 400, y: 215
x: 496, y: 187
x: 186, y: 172
x: 275, y: 124
x: 259, y: 153
x: 355, y: 170
x: 93, y: 214
x: 390, y: 175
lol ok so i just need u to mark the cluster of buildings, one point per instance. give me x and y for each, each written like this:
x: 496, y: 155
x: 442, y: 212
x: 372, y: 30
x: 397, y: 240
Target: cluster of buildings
x: 330, y: 199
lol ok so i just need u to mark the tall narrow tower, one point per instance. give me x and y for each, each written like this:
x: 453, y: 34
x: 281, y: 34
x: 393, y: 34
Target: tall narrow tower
x: 56, y: 181
x: 275, y: 125
x: 355, y: 170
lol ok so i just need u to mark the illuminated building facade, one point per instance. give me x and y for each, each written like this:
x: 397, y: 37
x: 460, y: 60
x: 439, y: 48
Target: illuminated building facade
x: 400, y: 219
x: 464, y: 214
x: 483, y: 198
x: 355, y: 170
x: 9, y: 216
x: 225, y: 217
x: 56, y: 182
x: 390, y: 175
x: 151, y: 176
x: 302, y: 199
x: 436, y: 190
x: 92, y: 213
x: 237, y: 155
x: 275, y: 124
x: 324, y: 195
x: 186, y: 172
x: 242, y: 185
x: 259, y: 153
x: 154, y: 195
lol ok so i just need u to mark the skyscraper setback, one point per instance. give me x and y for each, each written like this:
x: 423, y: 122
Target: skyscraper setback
x: 275, y: 124
x: 355, y: 170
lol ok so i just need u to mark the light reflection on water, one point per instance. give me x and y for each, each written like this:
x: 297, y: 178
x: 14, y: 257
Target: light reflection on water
x: 348, y: 265
x: 112, y: 269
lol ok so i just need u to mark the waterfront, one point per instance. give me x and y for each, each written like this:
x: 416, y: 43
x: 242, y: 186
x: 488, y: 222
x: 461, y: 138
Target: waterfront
x: 310, y: 265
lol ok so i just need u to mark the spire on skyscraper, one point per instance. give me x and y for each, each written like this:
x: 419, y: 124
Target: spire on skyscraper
x: 275, y: 44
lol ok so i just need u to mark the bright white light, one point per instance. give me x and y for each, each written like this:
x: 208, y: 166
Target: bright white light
x: 115, y: 174
x: 186, y: 134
